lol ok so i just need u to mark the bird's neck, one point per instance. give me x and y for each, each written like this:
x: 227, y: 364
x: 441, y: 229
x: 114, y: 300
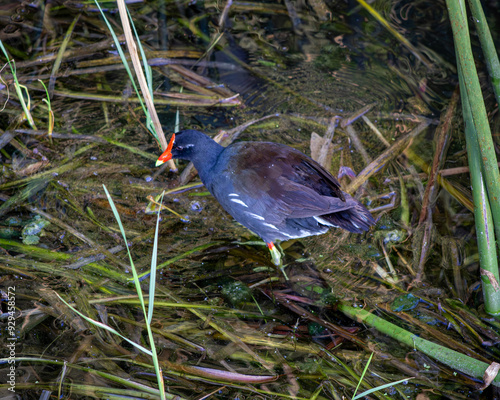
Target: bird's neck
x: 206, y: 160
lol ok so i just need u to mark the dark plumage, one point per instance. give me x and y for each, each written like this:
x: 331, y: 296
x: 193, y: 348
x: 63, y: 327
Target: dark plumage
x: 274, y: 190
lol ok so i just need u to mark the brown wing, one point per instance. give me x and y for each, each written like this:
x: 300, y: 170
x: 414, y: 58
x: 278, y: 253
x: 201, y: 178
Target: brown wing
x: 284, y: 182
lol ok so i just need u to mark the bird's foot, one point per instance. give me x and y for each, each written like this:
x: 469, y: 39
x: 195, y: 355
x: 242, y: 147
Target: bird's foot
x: 276, y: 258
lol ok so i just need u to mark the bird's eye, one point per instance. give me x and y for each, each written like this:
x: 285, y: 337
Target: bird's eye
x: 187, y: 146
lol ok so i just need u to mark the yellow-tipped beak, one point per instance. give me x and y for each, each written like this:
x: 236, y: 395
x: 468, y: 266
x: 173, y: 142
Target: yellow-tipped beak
x: 167, y: 154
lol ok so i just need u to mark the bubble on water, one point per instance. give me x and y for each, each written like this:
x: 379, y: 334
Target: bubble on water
x: 196, y: 206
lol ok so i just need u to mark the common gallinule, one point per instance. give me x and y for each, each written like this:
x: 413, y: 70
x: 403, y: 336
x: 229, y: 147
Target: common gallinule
x: 274, y: 190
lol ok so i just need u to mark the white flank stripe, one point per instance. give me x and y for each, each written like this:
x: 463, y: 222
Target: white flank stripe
x: 304, y: 233
x: 238, y: 201
x: 255, y: 216
x: 234, y: 194
x: 325, y: 222
x: 270, y: 226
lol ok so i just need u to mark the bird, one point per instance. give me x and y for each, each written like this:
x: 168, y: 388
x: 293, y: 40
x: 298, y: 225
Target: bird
x: 274, y: 190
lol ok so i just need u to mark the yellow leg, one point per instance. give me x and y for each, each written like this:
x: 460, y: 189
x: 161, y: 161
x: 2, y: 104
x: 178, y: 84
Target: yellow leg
x: 276, y: 258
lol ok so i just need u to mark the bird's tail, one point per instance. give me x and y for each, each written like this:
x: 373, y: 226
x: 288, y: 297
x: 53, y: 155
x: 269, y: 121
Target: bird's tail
x: 356, y: 219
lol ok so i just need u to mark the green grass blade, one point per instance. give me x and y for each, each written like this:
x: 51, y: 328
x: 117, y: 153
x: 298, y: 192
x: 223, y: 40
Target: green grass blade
x: 137, y: 283
x: 106, y: 327
x: 154, y: 257
x: 132, y: 266
x: 12, y: 66
x: 388, y: 385
x: 362, y: 375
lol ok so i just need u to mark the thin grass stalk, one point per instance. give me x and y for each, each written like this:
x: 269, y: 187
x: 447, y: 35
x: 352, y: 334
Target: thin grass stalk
x: 122, y: 57
x: 189, y: 101
x: 148, y: 98
x: 155, y: 128
x: 152, y: 278
x: 381, y: 387
x: 147, y: 70
x: 18, y: 87
x: 362, y: 375
x: 458, y: 20
x: 105, y: 327
x: 487, y: 45
x: 50, y: 128
x: 149, y: 316
x: 60, y: 55
x: 127, y: 383
x: 485, y: 233
x: 153, y: 122
x: 452, y: 358
x: 137, y: 283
